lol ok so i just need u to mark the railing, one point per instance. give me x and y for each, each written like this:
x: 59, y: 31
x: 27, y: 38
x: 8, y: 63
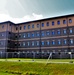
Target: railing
x: 44, y: 55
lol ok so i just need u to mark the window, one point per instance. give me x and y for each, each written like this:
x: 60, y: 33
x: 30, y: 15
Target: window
x: 70, y: 30
x: 23, y: 43
x: 16, y: 36
x: 1, y: 43
x: 32, y: 34
x: 42, y: 24
x: 42, y: 33
x: 24, y: 35
x: 53, y: 51
x: 59, y: 42
x: 42, y: 43
x: 24, y: 27
x: 64, y: 21
x: 70, y: 20
x: 48, y: 43
x: 53, y: 42
x: 19, y: 35
x: 28, y: 43
x: 37, y: 52
x: 58, y: 22
x: 15, y: 44
x: 47, y: 23
x: 28, y: 52
x: 2, y: 34
x: 71, y: 41
x: 58, y: 32
x: 32, y: 43
x: 37, y: 34
x: 33, y: 26
x: 65, y: 41
x: 16, y: 28
x: 66, y: 51
x: 37, y: 43
x: 19, y: 44
x: 28, y: 34
x: 72, y: 50
x: 47, y: 33
x: 20, y: 28
x: 64, y: 31
x: 53, y: 32
x: 52, y: 23
x: 38, y: 25
x: 2, y: 26
x: 28, y: 26
x: 42, y: 52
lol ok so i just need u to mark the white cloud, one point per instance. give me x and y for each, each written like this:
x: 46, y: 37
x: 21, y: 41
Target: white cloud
x: 4, y: 17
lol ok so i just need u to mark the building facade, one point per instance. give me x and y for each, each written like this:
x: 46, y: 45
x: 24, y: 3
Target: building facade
x: 39, y: 38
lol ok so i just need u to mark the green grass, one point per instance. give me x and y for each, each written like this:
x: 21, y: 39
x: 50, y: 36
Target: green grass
x: 35, y: 68
x: 39, y: 60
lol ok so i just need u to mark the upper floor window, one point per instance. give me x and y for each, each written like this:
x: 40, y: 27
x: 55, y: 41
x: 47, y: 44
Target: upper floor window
x: 47, y: 23
x: 47, y: 33
x: 20, y: 28
x: 58, y: 32
x: 37, y: 34
x: 58, y: 22
x: 64, y: 21
x: 19, y: 35
x: 42, y: 24
x: 2, y: 26
x: 53, y: 42
x: 2, y: 34
x: 59, y: 42
x: 32, y: 43
x: 71, y: 30
x: 23, y: 43
x: 28, y: 43
x: 70, y: 20
x: 48, y: 43
x: 71, y: 41
x: 28, y: 26
x: 65, y: 41
x: 24, y: 35
x: 33, y: 26
x: 16, y: 28
x: 1, y: 43
x: 28, y: 34
x: 42, y: 43
x: 37, y: 43
x: 64, y: 31
x: 52, y: 23
x: 38, y: 25
x: 53, y: 32
x: 24, y: 27
x: 19, y: 44
x: 42, y: 33
x: 32, y: 34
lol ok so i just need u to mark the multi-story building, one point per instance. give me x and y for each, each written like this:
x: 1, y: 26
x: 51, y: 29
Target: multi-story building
x: 39, y: 38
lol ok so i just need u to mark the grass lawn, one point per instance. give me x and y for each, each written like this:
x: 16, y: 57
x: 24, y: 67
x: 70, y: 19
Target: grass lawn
x: 39, y: 60
x: 35, y: 68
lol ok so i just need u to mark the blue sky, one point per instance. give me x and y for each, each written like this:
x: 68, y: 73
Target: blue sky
x: 24, y: 10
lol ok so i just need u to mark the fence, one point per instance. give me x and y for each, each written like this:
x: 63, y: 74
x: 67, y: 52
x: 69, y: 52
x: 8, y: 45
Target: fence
x: 36, y: 55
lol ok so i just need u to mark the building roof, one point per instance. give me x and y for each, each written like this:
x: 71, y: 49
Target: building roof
x: 69, y: 15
